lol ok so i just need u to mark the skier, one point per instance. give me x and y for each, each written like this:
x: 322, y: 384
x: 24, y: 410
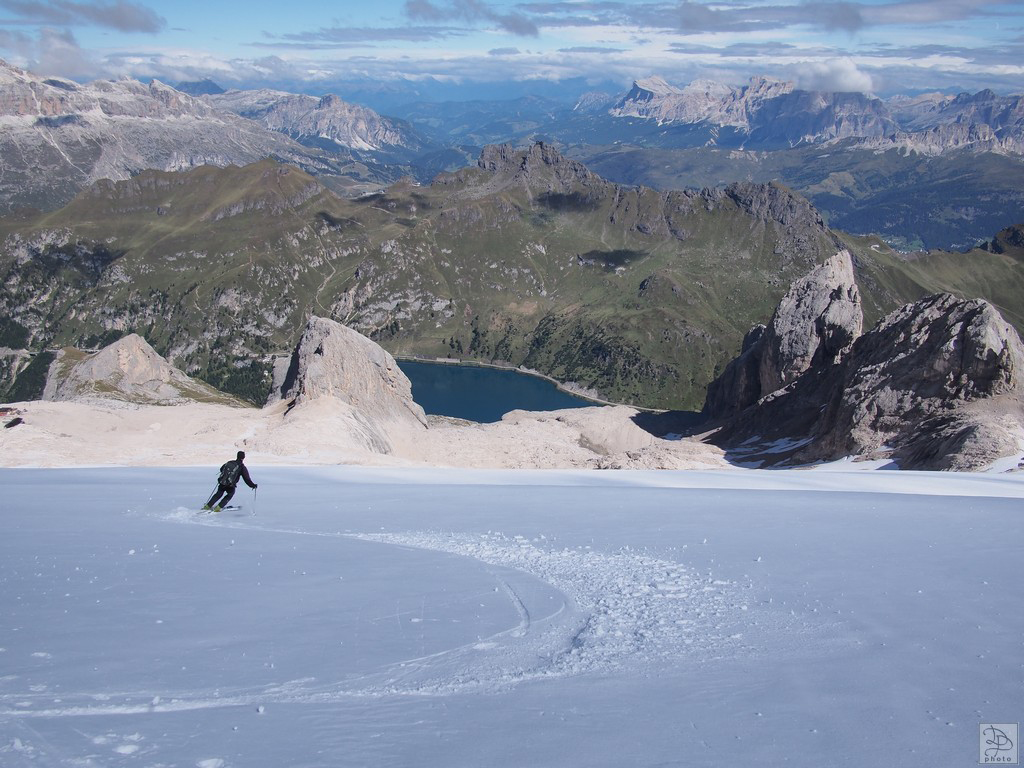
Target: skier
x: 230, y: 471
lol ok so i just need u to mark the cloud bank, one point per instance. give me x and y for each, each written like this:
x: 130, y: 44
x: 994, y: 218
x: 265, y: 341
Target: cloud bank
x: 850, y: 45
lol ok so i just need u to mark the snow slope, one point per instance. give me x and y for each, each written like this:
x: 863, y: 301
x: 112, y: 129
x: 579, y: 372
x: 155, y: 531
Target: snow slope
x: 413, y: 617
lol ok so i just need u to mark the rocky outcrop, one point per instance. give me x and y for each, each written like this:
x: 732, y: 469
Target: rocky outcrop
x: 950, y: 137
x: 936, y: 384
x: 1009, y: 241
x: 129, y: 370
x: 540, y: 161
x: 814, y: 326
x: 335, y: 365
x: 910, y: 382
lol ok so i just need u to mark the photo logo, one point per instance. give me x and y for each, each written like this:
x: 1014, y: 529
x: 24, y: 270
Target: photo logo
x: 998, y: 744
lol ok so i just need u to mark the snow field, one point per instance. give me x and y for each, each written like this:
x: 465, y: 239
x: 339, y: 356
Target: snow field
x: 430, y: 618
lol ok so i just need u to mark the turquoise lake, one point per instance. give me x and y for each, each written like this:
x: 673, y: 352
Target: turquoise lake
x: 482, y: 394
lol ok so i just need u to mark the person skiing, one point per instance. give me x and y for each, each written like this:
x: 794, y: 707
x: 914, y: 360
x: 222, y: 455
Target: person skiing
x: 230, y: 471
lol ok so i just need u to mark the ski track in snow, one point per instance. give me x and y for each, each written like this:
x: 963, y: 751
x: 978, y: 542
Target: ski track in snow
x: 623, y: 608
x: 619, y: 609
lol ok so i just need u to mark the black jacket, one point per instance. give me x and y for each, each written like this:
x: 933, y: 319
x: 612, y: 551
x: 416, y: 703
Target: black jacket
x: 245, y: 475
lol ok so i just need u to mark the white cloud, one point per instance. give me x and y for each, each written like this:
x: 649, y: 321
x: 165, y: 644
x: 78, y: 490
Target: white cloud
x: 837, y: 74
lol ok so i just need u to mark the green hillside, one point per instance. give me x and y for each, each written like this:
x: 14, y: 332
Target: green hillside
x: 529, y: 259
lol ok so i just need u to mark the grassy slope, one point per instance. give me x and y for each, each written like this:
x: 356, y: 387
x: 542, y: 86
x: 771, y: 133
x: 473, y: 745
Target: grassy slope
x: 642, y: 295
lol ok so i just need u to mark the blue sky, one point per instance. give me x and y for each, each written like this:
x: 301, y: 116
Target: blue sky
x: 880, y: 46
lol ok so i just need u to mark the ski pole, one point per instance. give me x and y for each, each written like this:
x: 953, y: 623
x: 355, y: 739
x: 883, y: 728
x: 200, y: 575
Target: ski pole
x: 254, y: 501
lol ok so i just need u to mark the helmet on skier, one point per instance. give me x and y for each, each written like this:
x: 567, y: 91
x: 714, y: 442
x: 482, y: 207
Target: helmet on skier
x: 240, y: 455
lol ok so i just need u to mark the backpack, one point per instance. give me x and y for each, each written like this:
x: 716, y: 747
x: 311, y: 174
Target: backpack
x: 230, y: 471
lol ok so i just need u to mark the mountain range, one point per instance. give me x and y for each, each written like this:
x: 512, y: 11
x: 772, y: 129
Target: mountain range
x: 923, y: 172
x: 772, y: 114
x: 933, y: 171
x: 528, y: 259
x: 315, y: 121
x: 60, y: 136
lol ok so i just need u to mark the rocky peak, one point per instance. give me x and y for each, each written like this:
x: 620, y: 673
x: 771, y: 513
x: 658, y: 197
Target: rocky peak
x: 815, y: 324
x: 330, y: 101
x: 649, y: 88
x: 334, y: 362
x: 654, y: 98
x: 129, y: 369
x: 329, y: 117
x: 945, y: 348
x: 1009, y: 241
x: 771, y: 201
x: 766, y: 88
x: 540, y: 161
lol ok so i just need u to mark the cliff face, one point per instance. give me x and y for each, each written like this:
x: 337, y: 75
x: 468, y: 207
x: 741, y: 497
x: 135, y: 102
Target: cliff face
x: 935, y: 385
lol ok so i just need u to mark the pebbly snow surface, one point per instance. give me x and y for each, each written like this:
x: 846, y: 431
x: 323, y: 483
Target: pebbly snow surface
x: 414, y: 617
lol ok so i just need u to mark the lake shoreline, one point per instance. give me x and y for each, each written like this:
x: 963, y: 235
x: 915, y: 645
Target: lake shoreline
x: 565, y: 387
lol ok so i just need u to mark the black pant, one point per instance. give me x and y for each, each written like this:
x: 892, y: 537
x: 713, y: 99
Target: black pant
x: 226, y: 490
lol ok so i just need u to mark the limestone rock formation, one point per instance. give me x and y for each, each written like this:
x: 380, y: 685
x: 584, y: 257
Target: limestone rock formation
x: 911, y: 379
x: 130, y: 370
x: 335, y: 364
x: 765, y: 111
x: 814, y: 325
x: 937, y: 384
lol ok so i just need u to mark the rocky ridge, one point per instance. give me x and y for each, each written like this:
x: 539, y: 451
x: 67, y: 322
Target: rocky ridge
x: 767, y: 111
x: 951, y: 137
